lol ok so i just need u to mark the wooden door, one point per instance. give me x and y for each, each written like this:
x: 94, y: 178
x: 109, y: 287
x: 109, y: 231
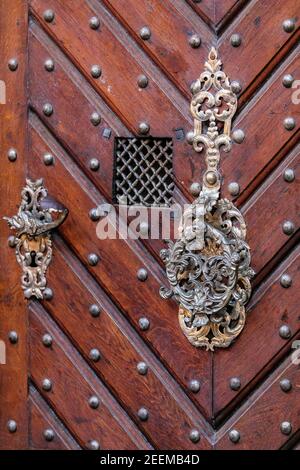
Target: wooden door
x: 148, y: 387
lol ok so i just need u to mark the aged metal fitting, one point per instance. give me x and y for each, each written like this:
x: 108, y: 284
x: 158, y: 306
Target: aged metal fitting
x: 285, y: 332
x: 288, y: 80
x: 288, y: 25
x: 143, y: 414
x: 194, y: 436
x: 49, y: 435
x: 211, y: 177
x: 235, y: 383
x: 234, y: 436
x: 144, y: 323
x: 236, y: 87
x: 289, y: 175
x: 12, y: 241
x: 48, y: 293
x: 238, y: 136
x: 190, y: 137
x: 195, y: 189
x: 49, y: 65
x: 94, y: 310
x: 142, y: 368
x: 142, y: 274
x: 48, y: 159
x: 286, y: 280
x: 288, y: 227
x: 47, y: 340
x: 95, y: 118
x: 145, y: 33
x: 94, y: 402
x: 13, y: 337
x: 94, y: 22
x: 13, y: 64
x: 94, y: 214
x: 234, y: 188
x: 236, y: 40
x: 93, y: 259
x: 144, y: 128
x: 144, y: 228
x: 47, y: 385
x: 94, y: 164
x: 12, y: 155
x: 142, y: 81
x: 12, y: 425
x: 285, y: 385
x: 286, y: 428
x: 95, y: 355
x: 49, y: 15
x: 289, y: 123
x: 195, y: 41
x: 106, y: 133
x: 94, y: 445
x: 96, y: 71
x: 48, y: 109
x: 194, y: 386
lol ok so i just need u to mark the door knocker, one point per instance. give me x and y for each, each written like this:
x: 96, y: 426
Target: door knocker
x: 38, y: 214
x: 208, y: 266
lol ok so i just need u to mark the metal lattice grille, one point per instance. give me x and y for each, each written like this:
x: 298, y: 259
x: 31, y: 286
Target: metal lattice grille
x: 143, y: 171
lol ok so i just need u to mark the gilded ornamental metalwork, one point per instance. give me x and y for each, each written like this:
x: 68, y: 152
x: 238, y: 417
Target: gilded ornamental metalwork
x: 208, y: 266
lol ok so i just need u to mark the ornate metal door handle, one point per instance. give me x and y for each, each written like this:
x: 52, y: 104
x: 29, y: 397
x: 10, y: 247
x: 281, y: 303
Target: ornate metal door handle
x: 208, y: 267
x: 37, y: 216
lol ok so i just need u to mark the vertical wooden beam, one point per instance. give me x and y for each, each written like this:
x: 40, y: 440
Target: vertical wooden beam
x: 13, y: 317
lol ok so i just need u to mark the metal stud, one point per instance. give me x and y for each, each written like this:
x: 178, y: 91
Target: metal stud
x: 93, y: 259
x: 286, y: 428
x: 94, y: 445
x: 195, y: 41
x: 144, y: 323
x: 48, y: 293
x: 285, y: 332
x: 288, y: 25
x: 12, y: 425
x: 12, y: 155
x: 49, y: 65
x: 236, y: 87
x: 235, y: 383
x: 106, y: 133
x: 234, y: 188
x: 285, y: 385
x: 47, y: 340
x: 48, y: 159
x: 13, y: 64
x: 287, y: 80
x: 289, y: 123
x: 143, y: 414
x: 49, y: 16
x: 94, y: 22
x: 289, y: 175
x: 48, y: 109
x: 194, y: 436
x: 142, y: 368
x: 95, y: 118
x: 238, y: 136
x: 94, y: 310
x: 288, y: 227
x: 234, y: 436
x: 190, y: 137
x: 236, y: 40
x: 142, y: 274
x: 95, y: 71
x: 195, y: 189
x: 94, y: 402
x: 49, y: 435
x: 194, y: 386
x: 94, y: 355
x: 286, y: 281
x: 94, y: 215
x: 12, y: 241
x: 13, y: 337
x: 142, y: 81
x: 144, y: 228
x: 94, y: 164
x: 145, y: 33
x: 47, y: 385
x: 211, y: 177
x: 144, y: 128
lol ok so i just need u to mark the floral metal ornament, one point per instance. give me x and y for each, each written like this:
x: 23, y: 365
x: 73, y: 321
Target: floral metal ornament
x: 208, y: 266
x: 36, y: 217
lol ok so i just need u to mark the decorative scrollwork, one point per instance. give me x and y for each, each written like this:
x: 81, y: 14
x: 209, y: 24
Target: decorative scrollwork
x: 36, y: 217
x: 208, y: 266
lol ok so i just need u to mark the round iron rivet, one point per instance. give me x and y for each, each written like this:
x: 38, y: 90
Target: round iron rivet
x: 94, y: 310
x: 194, y: 386
x: 287, y: 80
x: 94, y: 214
x: 142, y: 81
x: 142, y: 274
x: 47, y: 340
x: 12, y: 155
x: 285, y: 332
x: 286, y: 281
x: 234, y: 188
x: 48, y: 109
x: 47, y: 385
x: 194, y: 436
x: 286, y: 428
x: 238, y: 136
x: 94, y: 355
x: 95, y: 71
x: 94, y: 164
x: 94, y: 402
x: 144, y: 128
x: 289, y: 175
x: 143, y: 414
x: 190, y: 137
x: 49, y: 65
x: 195, y: 189
x: 289, y: 123
x: 49, y: 435
x: 13, y: 337
x: 236, y: 87
x: 235, y: 383
x: 94, y: 445
x: 144, y: 323
x: 236, y: 40
x: 49, y: 16
x: 12, y: 425
x: 288, y: 25
x: 144, y: 228
x: 94, y: 22
x: 145, y: 33
x: 195, y: 41
x: 48, y: 293
x: 48, y: 159
x: 93, y: 259
x: 95, y: 118
x: 13, y: 65
x: 234, y: 436
x: 285, y: 385
x: 142, y: 368
x: 211, y: 177
x: 288, y: 227
x: 12, y: 241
